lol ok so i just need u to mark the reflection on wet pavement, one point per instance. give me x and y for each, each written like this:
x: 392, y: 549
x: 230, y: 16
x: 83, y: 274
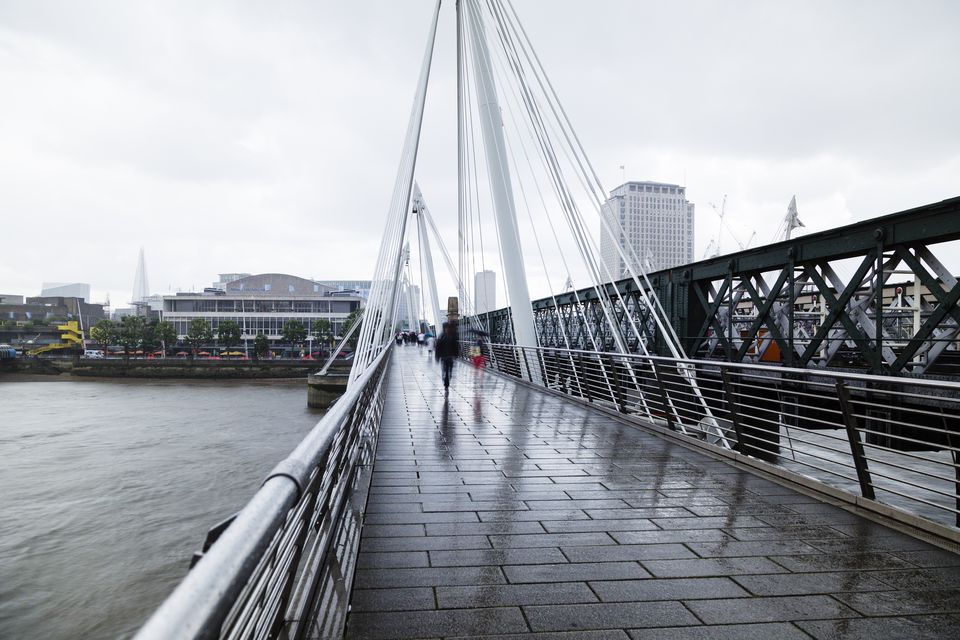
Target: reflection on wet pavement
x: 502, y: 510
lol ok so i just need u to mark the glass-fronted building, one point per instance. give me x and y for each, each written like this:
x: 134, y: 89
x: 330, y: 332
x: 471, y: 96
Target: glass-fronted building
x: 262, y: 303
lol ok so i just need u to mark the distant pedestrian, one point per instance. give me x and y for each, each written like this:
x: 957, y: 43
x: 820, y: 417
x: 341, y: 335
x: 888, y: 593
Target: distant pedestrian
x: 447, y: 350
x: 477, y: 356
x: 431, y: 342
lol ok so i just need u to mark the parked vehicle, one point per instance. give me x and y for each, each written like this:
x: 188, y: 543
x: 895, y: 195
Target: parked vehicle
x: 93, y: 353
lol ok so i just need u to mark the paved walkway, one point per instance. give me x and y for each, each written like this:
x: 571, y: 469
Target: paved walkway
x: 505, y: 511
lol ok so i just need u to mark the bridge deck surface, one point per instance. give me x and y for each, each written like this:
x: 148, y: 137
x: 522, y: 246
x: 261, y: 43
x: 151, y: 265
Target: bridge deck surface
x: 506, y: 511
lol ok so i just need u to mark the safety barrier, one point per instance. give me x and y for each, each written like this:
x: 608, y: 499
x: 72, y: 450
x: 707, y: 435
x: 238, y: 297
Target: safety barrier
x: 262, y: 573
x: 890, y: 440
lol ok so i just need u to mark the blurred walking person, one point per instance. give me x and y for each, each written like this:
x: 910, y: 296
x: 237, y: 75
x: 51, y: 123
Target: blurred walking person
x: 447, y: 350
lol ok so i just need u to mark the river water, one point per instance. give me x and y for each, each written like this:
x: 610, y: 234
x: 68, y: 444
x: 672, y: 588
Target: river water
x: 107, y: 487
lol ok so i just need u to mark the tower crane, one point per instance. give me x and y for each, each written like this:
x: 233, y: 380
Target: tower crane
x: 722, y: 212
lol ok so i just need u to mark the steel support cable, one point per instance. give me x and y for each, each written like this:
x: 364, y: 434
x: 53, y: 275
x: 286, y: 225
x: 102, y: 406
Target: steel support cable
x: 473, y: 177
x: 538, y: 72
x: 394, y: 236
x: 536, y: 236
x: 379, y: 315
x: 526, y: 204
x: 513, y: 94
x: 577, y: 232
x: 501, y: 170
x: 561, y: 115
x: 423, y: 280
x: 568, y: 205
x: 471, y: 174
x: 565, y: 197
x: 543, y: 203
x: 432, y: 228
x: 553, y: 231
x: 510, y: 227
x: 461, y: 168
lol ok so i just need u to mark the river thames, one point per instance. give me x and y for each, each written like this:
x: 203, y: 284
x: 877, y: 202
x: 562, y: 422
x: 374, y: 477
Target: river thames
x: 107, y: 488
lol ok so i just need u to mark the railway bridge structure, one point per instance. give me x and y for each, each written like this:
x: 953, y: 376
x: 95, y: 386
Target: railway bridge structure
x: 761, y: 445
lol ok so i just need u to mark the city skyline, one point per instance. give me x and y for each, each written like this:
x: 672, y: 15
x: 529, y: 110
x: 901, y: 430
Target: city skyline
x: 162, y: 141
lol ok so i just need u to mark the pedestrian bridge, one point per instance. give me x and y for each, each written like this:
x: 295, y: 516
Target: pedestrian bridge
x: 632, y: 467
x: 508, y: 511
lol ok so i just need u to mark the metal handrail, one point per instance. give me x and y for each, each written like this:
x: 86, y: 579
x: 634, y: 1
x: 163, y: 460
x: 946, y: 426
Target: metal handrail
x: 254, y: 562
x: 785, y: 416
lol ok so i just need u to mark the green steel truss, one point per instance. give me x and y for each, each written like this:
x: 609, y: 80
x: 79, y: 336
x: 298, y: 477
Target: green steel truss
x: 814, y: 301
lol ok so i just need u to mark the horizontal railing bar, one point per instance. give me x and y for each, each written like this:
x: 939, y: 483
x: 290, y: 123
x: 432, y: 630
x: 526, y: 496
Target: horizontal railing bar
x: 199, y: 605
x: 936, y: 505
x: 884, y: 463
x: 902, y: 438
x: 780, y: 411
x: 863, y: 377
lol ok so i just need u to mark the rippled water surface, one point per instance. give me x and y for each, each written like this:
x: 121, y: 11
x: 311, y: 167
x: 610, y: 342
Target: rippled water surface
x: 107, y: 487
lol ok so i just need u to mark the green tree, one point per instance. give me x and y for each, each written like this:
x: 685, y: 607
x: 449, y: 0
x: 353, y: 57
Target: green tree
x: 167, y: 334
x: 130, y: 334
x: 228, y: 333
x: 104, y: 333
x: 199, y: 333
x: 322, y: 331
x: 149, y: 340
x: 260, y: 347
x: 355, y: 316
x: 293, y: 332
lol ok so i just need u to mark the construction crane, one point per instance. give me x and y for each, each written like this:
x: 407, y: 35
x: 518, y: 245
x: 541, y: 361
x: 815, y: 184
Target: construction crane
x: 711, y: 251
x: 722, y: 212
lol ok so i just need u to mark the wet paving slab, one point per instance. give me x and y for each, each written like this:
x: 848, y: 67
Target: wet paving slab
x: 502, y: 512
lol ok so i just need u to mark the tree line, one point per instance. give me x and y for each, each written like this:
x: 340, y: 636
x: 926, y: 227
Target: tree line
x: 136, y: 332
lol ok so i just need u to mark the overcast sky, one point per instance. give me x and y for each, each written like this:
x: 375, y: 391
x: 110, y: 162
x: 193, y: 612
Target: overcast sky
x: 264, y: 137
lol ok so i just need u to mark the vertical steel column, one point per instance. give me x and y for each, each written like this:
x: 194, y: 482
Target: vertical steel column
x: 498, y: 170
x: 856, y: 446
x: 664, y: 400
x: 435, y: 311
x: 614, y: 381
x: 728, y: 347
x: 583, y: 373
x: 732, y: 408
x: 792, y: 299
x: 878, y: 316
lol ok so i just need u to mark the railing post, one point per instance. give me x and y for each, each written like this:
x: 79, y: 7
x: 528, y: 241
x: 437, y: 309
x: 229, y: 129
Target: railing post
x: 732, y: 407
x: 856, y: 446
x: 615, y: 384
x: 588, y: 393
x: 664, y: 400
x: 525, y: 371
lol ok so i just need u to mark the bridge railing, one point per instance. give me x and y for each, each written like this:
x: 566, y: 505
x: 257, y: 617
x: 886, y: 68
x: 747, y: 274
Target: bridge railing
x: 261, y: 575
x: 887, y: 440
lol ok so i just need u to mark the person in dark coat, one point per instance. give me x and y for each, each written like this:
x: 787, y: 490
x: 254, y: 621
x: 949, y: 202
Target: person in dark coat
x: 447, y: 350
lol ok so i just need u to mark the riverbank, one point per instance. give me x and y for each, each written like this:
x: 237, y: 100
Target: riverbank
x: 166, y: 368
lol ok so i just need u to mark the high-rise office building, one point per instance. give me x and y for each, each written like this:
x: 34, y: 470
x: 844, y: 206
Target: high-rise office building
x: 655, y: 219
x: 485, y: 291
